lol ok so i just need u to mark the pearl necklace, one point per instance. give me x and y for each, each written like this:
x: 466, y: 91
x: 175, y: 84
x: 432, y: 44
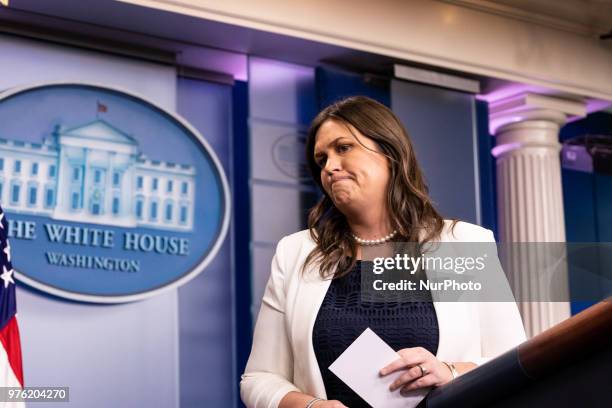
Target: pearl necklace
x: 367, y: 242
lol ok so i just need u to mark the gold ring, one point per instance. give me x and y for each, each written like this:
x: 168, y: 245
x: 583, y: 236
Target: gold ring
x: 423, y: 370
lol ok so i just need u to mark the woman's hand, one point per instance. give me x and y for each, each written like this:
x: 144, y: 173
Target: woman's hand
x: 434, y: 374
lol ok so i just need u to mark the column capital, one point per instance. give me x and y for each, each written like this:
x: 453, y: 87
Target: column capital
x: 531, y: 106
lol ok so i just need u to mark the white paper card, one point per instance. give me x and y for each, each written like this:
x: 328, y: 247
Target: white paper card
x: 358, y: 367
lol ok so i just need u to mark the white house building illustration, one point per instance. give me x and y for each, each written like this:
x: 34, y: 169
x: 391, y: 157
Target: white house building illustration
x: 95, y: 173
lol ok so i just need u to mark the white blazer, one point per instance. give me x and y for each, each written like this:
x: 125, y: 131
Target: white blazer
x: 283, y: 359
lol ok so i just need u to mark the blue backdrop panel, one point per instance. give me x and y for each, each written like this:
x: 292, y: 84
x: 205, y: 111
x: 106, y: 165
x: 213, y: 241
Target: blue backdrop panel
x: 205, y: 304
x: 487, y: 169
x: 119, y: 355
x: 603, y: 206
x: 441, y: 124
x: 579, y: 206
x: 241, y: 229
x: 335, y: 84
x: 281, y: 105
x: 281, y: 92
x: 587, y: 198
x: 580, y: 219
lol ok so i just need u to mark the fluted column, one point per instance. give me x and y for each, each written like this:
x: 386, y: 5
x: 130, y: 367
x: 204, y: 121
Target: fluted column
x: 530, y: 199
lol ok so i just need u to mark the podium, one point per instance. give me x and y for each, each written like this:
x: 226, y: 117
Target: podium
x: 568, y: 365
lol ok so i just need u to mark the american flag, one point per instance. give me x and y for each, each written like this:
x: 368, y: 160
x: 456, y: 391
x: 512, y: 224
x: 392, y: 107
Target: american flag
x: 11, y: 372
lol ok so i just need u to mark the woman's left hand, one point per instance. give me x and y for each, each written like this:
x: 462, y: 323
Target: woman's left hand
x: 434, y: 373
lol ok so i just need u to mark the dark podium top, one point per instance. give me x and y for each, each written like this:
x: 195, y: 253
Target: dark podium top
x: 568, y: 365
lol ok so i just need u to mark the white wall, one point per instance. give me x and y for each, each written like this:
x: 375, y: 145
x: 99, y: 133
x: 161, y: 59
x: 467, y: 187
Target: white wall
x: 109, y: 356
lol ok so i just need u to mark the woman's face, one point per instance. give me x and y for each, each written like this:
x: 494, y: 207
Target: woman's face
x: 354, y: 173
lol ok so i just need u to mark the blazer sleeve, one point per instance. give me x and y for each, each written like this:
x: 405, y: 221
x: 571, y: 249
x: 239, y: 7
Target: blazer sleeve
x: 269, y: 372
x: 501, y: 325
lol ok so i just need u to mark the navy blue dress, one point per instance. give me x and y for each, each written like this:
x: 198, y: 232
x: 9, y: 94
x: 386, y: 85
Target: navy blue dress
x: 344, y: 315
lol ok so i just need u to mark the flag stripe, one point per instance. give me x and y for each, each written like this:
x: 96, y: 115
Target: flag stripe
x: 9, y: 337
x: 11, y: 369
x: 8, y: 379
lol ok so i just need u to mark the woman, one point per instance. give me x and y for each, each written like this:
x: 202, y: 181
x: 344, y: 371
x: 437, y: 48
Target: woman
x: 374, y: 192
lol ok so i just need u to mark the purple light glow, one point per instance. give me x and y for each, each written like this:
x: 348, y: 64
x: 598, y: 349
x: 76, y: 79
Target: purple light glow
x: 506, y: 91
x: 509, y: 90
x: 595, y: 105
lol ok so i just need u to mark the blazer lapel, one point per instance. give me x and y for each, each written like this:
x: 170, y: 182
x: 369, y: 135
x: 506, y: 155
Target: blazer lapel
x: 310, y: 295
x: 451, y: 315
x: 447, y: 318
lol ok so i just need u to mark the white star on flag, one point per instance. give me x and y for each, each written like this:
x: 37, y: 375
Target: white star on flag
x: 1, y: 217
x: 7, y: 277
x: 7, y: 251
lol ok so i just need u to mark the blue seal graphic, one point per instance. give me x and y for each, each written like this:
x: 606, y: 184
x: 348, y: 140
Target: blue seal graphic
x: 109, y: 197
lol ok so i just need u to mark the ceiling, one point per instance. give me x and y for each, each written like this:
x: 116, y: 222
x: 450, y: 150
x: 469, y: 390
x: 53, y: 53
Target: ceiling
x: 109, y: 25
x: 586, y: 17
x: 219, y: 48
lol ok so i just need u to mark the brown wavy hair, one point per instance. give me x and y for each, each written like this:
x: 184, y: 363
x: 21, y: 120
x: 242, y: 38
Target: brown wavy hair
x: 410, y: 208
